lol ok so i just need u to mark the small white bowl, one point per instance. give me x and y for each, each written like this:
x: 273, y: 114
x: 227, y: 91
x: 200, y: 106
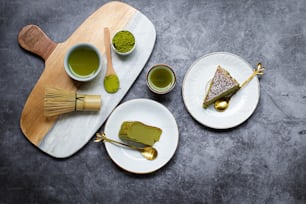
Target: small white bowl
x: 123, y: 53
x: 76, y: 76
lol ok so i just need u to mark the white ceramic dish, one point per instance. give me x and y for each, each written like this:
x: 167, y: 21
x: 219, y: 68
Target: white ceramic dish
x: 148, y: 112
x: 242, y: 104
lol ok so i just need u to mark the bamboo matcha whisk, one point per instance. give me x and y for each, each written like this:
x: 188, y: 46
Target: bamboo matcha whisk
x: 59, y: 101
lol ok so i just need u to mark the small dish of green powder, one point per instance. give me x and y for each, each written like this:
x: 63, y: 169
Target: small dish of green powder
x: 123, y: 42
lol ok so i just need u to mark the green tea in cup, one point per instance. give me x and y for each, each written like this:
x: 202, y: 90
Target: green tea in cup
x: 161, y: 79
x: 83, y: 62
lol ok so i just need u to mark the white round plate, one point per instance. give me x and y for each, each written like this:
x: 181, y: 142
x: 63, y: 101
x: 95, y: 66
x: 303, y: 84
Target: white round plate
x: 150, y: 113
x: 242, y: 104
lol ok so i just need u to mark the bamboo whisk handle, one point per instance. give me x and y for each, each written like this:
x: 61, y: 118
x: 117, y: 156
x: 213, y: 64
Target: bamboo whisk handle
x: 88, y: 102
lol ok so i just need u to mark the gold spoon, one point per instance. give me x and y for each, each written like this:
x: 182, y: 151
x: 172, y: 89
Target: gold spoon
x: 111, y: 80
x: 148, y: 152
x: 223, y: 103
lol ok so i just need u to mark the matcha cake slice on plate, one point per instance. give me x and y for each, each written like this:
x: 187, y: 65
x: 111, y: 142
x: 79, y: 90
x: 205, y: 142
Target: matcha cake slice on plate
x: 221, y: 85
x: 139, y: 132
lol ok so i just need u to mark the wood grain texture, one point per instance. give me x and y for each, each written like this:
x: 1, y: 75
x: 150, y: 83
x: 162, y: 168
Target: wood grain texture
x: 110, y: 70
x: 33, y: 39
x: 32, y: 122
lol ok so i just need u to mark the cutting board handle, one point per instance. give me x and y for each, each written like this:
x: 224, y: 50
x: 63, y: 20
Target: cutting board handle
x: 33, y: 39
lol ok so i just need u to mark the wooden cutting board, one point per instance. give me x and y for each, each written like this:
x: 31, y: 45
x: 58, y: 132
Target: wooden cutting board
x: 64, y: 135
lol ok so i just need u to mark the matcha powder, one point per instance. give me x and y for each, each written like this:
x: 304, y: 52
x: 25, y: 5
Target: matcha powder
x: 123, y: 41
x: 111, y: 83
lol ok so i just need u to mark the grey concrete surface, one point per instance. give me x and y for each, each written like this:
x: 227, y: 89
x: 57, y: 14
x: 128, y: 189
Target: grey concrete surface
x: 261, y: 161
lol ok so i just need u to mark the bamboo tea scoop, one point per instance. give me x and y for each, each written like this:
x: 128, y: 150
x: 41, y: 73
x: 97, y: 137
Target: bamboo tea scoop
x: 148, y: 152
x: 111, y: 80
x: 59, y: 101
x: 223, y: 103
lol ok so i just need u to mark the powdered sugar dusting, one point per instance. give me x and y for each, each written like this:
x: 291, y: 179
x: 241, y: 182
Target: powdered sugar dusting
x: 221, y: 82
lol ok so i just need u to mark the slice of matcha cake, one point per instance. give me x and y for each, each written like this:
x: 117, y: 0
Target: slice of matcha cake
x: 222, y: 84
x: 139, y: 132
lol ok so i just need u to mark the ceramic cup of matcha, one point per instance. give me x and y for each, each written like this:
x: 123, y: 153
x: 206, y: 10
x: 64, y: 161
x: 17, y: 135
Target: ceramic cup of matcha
x: 83, y: 62
x: 161, y: 79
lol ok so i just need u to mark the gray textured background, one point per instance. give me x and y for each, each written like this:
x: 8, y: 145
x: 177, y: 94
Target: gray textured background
x: 261, y: 161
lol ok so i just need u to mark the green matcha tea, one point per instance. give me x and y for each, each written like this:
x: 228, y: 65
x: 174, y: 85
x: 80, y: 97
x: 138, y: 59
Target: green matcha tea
x: 83, y: 62
x: 161, y: 79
